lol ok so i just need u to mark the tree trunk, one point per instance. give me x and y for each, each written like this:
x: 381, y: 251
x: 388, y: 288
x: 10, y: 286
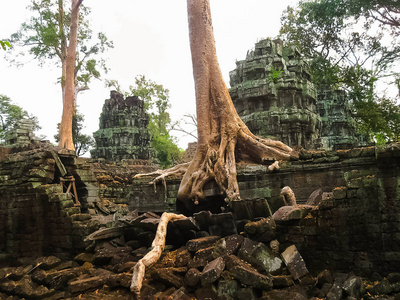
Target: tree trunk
x: 223, y: 138
x: 65, y: 132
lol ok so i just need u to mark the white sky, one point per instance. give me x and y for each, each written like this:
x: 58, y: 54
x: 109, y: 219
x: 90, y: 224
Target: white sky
x: 150, y: 38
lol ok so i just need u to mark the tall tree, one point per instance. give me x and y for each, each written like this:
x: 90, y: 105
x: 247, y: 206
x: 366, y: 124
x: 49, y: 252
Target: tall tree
x: 82, y: 142
x: 223, y: 138
x: 53, y: 34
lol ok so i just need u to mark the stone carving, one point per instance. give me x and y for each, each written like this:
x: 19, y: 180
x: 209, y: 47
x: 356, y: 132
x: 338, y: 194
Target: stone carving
x: 273, y: 94
x: 123, y: 132
x: 338, y: 126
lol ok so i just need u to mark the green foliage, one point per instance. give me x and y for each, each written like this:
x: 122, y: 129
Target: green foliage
x: 5, y: 44
x: 275, y: 75
x: 45, y: 36
x: 10, y: 114
x: 347, y: 43
x: 82, y: 142
x: 156, y: 99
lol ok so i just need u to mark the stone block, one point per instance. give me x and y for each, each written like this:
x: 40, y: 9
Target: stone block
x: 82, y: 285
x: 294, y: 262
x: 227, y: 287
x: 246, y: 274
x: 282, y: 281
x: 192, y: 277
x: 202, y: 257
x: 197, y: 244
x: 212, y: 271
x: 288, y: 213
x: 315, y: 198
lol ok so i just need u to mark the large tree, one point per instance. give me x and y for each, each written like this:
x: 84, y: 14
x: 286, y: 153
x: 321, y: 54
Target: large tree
x: 54, y: 33
x: 223, y: 138
x: 352, y: 45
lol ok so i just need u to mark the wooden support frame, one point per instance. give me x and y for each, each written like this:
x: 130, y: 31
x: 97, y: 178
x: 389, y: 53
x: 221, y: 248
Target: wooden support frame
x: 69, y: 182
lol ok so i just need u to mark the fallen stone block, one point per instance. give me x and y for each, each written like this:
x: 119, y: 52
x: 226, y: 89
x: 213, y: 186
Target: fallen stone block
x: 282, y: 281
x: 187, y: 224
x: 227, y: 288
x: 294, y: 262
x: 47, y: 263
x: 206, y: 293
x: 26, y: 288
x: 197, y: 244
x: 212, y: 271
x: 260, y: 227
x: 202, y: 257
x: 246, y: 293
x: 192, y: 277
x: 227, y: 246
x: 167, y: 276
x: 177, y: 258
x: 259, y: 255
x: 288, y: 213
x: 246, y: 274
x: 82, y: 285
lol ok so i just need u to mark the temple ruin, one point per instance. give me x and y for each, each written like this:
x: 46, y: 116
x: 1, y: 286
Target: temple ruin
x: 123, y: 132
x: 273, y: 93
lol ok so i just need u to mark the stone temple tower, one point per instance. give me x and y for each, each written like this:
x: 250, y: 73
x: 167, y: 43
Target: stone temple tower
x: 273, y: 94
x: 123, y: 132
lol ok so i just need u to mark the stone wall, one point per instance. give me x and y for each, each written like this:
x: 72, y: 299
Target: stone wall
x: 36, y: 215
x: 123, y: 132
x: 356, y: 227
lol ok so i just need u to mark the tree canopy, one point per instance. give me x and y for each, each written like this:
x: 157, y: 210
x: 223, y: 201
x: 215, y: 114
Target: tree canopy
x: 351, y: 45
x: 45, y: 37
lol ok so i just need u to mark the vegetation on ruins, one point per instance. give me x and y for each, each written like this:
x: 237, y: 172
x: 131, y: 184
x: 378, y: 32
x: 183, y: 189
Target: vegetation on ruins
x: 10, y: 114
x: 156, y: 99
x: 82, y: 142
x: 53, y: 34
x: 352, y: 46
x: 5, y: 44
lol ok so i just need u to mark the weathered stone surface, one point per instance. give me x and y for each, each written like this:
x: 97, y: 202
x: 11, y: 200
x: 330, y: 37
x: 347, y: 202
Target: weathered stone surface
x: 177, y: 258
x: 247, y: 274
x: 285, y: 294
x: 294, y: 262
x: 227, y: 288
x: 192, y: 277
x: 123, y: 132
x: 197, y: 244
x: 315, y: 198
x: 169, y: 276
x: 81, y: 285
x: 324, y: 277
x: 206, y: 293
x: 281, y: 281
x: 212, y: 271
x: 273, y: 94
x: 202, y: 257
x: 287, y: 213
x: 227, y: 246
x: 260, y: 256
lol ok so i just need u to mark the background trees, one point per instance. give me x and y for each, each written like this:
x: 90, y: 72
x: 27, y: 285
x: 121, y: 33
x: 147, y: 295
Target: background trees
x: 53, y: 34
x: 156, y: 99
x: 353, y: 45
x: 10, y: 114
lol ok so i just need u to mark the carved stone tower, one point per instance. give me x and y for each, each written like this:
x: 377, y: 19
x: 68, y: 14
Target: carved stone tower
x: 123, y: 132
x: 273, y: 94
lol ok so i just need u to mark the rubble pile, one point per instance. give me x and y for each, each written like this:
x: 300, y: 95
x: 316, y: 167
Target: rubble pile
x: 208, y: 256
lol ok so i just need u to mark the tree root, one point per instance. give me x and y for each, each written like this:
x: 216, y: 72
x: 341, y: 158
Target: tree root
x: 153, y: 256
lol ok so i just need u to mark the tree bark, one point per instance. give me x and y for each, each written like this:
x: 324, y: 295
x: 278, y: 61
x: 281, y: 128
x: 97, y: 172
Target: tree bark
x: 65, y: 132
x: 223, y: 138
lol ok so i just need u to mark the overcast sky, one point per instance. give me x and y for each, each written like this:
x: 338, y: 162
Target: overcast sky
x: 150, y: 38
